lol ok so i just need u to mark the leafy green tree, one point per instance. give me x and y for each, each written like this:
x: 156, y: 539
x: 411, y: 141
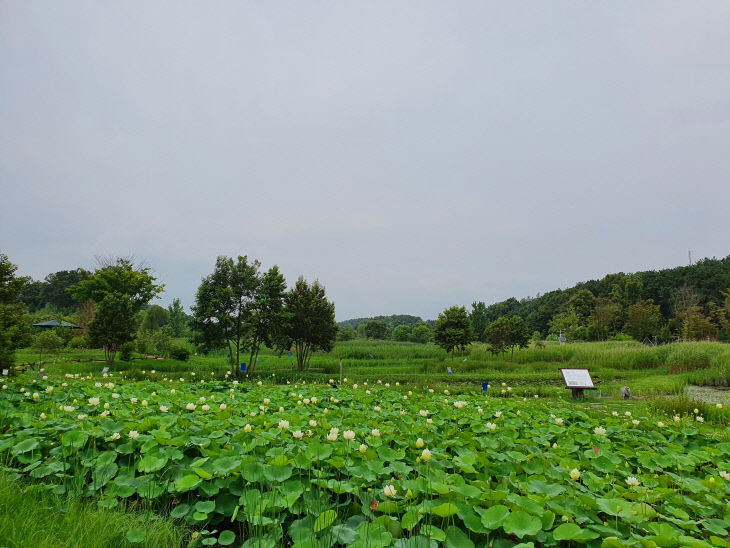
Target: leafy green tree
x: 312, y: 325
x: 519, y: 334
x: 177, y: 319
x: 642, y: 320
x: 376, y: 329
x: 120, y: 290
x: 268, y: 319
x: 14, y: 327
x: 603, y: 317
x: 498, y: 335
x: 47, y: 341
x: 421, y: 333
x: 479, y: 318
x: 582, y: 303
x: 453, y: 329
x: 113, y: 324
x: 121, y: 277
x: 346, y: 333
x: 154, y: 318
x: 401, y: 333
x: 568, y: 322
x: 224, y: 304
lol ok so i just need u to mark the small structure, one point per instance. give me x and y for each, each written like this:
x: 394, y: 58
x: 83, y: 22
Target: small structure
x: 51, y: 324
x: 577, y: 380
x: 625, y: 393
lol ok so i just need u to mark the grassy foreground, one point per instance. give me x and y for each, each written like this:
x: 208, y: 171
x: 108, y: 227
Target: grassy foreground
x: 30, y: 515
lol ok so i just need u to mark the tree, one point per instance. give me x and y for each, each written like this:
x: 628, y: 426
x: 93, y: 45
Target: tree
x: 421, y: 333
x: 224, y: 304
x: 312, y: 326
x: 376, y: 329
x: 113, y: 324
x: 120, y: 278
x: 177, y: 319
x: 401, y: 333
x: 346, y: 333
x: 518, y: 335
x: 642, y: 319
x: 603, y: 317
x: 154, y: 318
x: 14, y: 329
x: 453, y: 329
x: 268, y: 319
x: 498, y: 335
x: 120, y: 290
x: 582, y: 303
x: 46, y: 341
x: 568, y: 322
x: 479, y: 318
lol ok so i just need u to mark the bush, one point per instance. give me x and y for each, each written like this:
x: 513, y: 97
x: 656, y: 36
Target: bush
x: 622, y: 337
x: 179, y: 353
x: 125, y: 351
x: 77, y: 342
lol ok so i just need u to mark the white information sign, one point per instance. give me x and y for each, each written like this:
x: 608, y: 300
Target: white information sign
x: 577, y: 378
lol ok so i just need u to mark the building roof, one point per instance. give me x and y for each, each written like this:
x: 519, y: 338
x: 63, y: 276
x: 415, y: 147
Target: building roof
x: 56, y: 323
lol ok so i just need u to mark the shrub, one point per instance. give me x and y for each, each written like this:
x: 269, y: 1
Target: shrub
x: 77, y: 342
x: 125, y: 351
x: 179, y: 353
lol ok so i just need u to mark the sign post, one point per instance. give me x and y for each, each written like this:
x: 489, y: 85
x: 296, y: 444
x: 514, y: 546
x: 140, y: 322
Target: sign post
x: 577, y: 380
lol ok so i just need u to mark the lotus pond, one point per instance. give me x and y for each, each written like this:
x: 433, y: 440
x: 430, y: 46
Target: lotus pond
x: 371, y: 466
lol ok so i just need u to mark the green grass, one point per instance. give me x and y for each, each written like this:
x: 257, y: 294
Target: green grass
x: 30, y: 515
x: 648, y: 371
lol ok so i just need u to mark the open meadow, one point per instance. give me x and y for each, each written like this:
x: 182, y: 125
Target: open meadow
x: 401, y: 454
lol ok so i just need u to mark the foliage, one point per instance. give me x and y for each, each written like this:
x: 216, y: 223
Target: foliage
x: 179, y: 353
x: 53, y: 292
x: 346, y: 333
x: 401, y: 333
x: 155, y: 317
x: 479, y: 318
x: 224, y: 304
x: 177, y: 319
x: 391, y: 321
x: 14, y: 328
x: 508, y: 333
x: 126, y: 350
x: 470, y: 470
x: 312, y: 325
x: 47, y: 341
x: 421, y: 333
x: 642, y: 320
x: 136, y: 284
x: 77, y: 342
x: 113, y: 324
x: 376, y: 329
x: 453, y: 329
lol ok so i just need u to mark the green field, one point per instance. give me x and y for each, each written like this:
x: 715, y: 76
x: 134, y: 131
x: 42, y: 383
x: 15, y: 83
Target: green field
x: 169, y: 453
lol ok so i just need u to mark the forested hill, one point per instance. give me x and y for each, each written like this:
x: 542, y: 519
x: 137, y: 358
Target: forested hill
x: 391, y: 321
x: 704, y: 284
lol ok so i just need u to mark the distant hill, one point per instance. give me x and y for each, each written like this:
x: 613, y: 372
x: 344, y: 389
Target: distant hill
x: 708, y: 278
x: 392, y: 321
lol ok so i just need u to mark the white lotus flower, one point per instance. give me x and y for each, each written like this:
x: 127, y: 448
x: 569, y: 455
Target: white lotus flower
x: 426, y: 455
x: 599, y: 430
x: 284, y: 424
x: 375, y: 433
x: 247, y: 428
x: 297, y: 434
x: 190, y: 406
x: 163, y: 409
x: 575, y: 474
x: 133, y: 434
x: 349, y: 435
x: 419, y: 442
x: 632, y: 481
x: 389, y: 491
x: 312, y: 423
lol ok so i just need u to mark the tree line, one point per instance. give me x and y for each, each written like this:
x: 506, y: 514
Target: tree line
x: 236, y: 306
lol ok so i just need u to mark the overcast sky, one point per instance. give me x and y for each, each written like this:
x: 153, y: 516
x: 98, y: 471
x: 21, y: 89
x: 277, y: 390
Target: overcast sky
x: 409, y: 155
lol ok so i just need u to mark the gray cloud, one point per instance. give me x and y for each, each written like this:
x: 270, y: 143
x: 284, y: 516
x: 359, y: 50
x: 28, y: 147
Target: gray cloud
x: 410, y: 155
